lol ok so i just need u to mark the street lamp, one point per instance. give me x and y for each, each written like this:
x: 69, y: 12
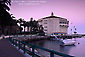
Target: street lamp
x: 75, y: 30
x: 71, y: 31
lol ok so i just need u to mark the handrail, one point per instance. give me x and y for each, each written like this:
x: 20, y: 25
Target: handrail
x: 20, y: 43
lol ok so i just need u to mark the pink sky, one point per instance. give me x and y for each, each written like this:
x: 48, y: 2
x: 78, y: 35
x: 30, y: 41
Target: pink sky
x: 72, y: 10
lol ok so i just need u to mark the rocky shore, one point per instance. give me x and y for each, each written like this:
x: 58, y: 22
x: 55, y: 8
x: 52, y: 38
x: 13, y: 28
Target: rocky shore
x: 32, y: 38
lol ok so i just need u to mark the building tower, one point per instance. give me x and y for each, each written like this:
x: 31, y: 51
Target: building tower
x: 52, y: 14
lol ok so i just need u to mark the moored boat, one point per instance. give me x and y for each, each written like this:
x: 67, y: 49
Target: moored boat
x: 67, y: 42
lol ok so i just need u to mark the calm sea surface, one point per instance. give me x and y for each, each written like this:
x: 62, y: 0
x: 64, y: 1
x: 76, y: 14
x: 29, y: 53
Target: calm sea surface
x: 77, y: 50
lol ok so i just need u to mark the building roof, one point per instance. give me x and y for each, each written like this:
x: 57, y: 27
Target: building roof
x: 39, y: 19
x: 52, y: 16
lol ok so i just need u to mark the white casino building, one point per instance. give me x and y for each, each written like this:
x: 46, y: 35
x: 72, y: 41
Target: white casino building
x: 54, y: 24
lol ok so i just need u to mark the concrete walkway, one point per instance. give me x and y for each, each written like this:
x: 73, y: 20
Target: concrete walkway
x: 7, y: 50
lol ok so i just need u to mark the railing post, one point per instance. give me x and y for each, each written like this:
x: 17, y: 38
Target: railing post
x: 24, y: 48
x: 9, y: 39
x: 19, y: 44
x: 51, y: 54
x: 33, y: 51
x: 13, y: 41
x: 16, y: 42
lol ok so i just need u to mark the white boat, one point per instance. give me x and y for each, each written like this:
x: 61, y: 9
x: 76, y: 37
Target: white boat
x: 67, y: 42
x: 83, y: 37
x: 53, y: 37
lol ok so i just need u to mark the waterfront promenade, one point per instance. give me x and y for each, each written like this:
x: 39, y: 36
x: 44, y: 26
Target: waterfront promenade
x: 8, y: 50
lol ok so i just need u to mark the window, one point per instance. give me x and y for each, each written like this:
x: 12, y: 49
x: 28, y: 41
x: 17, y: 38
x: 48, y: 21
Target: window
x: 45, y: 20
x: 60, y: 22
x: 65, y: 23
x: 45, y: 27
x: 60, y: 25
x: 45, y: 23
x: 45, y: 30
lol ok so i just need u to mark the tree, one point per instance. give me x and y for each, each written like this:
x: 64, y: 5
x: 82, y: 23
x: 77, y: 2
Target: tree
x: 41, y: 32
x: 4, y: 5
x: 5, y: 17
x: 35, y: 26
x: 20, y: 21
x: 24, y: 24
x: 28, y: 25
x: 31, y: 25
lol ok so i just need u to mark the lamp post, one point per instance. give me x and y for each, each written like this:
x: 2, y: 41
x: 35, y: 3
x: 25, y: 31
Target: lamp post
x: 71, y: 31
x: 75, y: 30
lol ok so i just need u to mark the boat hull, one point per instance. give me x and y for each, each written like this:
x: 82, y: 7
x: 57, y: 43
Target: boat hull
x: 68, y: 42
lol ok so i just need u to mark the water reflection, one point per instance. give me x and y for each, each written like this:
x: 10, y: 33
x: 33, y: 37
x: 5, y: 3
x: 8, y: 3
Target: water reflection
x: 66, y: 49
x: 75, y: 50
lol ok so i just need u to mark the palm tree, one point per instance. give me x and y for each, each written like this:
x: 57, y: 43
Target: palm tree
x: 5, y: 17
x: 20, y: 21
x: 40, y: 31
x: 13, y: 17
x: 28, y: 25
x: 4, y: 4
x: 24, y: 24
x: 31, y: 25
x: 35, y: 26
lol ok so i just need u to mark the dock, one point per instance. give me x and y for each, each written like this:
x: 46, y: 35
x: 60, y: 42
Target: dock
x: 8, y: 50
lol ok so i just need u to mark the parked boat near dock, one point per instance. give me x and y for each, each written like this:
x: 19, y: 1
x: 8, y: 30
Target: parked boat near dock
x: 67, y: 42
x: 64, y: 40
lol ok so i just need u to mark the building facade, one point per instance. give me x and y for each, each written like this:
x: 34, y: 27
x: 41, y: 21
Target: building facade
x: 54, y: 24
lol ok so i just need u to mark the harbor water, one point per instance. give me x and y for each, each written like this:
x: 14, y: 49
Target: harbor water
x: 77, y: 50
